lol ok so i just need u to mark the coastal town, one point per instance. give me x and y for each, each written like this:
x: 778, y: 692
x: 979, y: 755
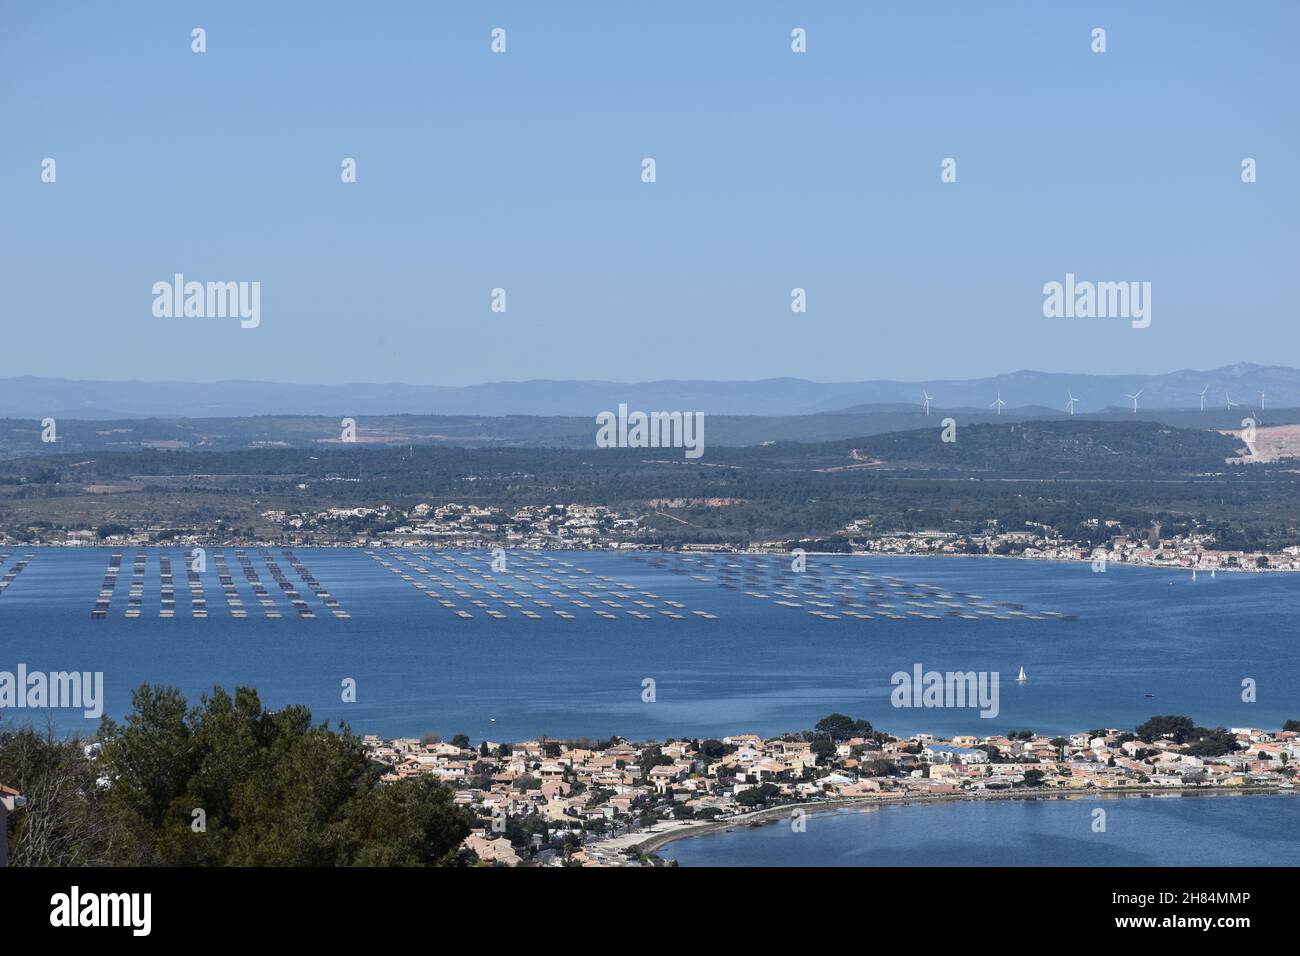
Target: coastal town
x: 596, y: 527
x: 611, y: 803
x: 1190, y: 552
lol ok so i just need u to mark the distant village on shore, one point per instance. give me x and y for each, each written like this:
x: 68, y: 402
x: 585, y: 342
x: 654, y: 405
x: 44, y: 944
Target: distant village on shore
x: 602, y: 803
x: 595, y: 527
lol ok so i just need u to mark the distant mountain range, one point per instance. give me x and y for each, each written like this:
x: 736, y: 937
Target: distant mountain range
x: 29, y: 397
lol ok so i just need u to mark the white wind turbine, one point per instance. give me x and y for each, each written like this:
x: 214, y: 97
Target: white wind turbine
x: 1069, y: 406
x: 1261, y: 399
x: 1203, y: 391
x: 999, y: 403
x: 1231, y: 404
x: 926, y: 398
x: 1135, y: 399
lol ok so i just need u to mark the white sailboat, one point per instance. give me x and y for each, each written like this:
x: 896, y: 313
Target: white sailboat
x: 1020, y: 678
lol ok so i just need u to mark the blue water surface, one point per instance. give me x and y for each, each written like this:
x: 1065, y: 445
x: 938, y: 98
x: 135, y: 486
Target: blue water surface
x: 756, y: 667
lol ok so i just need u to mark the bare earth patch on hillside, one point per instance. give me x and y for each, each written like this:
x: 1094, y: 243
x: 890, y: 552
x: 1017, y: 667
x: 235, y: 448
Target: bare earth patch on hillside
x: 1272, y: 443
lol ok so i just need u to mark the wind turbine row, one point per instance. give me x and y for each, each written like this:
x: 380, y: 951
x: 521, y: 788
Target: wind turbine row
x: 1227, y: 399
x: 927, y: 398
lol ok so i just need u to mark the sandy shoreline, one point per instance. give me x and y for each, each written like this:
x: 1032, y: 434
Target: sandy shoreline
x: 648, y: 842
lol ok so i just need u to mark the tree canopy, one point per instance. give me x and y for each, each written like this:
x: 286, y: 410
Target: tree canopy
x: 228, y: 783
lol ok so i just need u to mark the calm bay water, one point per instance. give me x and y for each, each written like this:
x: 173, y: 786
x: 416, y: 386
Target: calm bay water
x: 757, y: 667
x: 1155, y: 831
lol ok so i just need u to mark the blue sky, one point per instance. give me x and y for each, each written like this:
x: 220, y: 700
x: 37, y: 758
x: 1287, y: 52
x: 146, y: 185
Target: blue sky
x: 522, y: 171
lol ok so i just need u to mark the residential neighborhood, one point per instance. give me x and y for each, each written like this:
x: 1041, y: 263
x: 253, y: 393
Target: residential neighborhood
x: 456, y: 525
x: 578, y: 527
x: 594, y: 803
x: 1190, y: 552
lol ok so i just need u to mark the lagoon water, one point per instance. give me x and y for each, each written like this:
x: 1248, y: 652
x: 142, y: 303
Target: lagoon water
x: 755, y: 666
x: 1140, y: 831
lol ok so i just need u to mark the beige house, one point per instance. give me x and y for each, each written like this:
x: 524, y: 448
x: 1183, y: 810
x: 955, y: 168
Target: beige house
x: 493, y: 851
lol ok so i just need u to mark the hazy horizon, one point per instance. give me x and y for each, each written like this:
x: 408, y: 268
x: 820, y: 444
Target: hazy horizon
x: 646, y: 381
